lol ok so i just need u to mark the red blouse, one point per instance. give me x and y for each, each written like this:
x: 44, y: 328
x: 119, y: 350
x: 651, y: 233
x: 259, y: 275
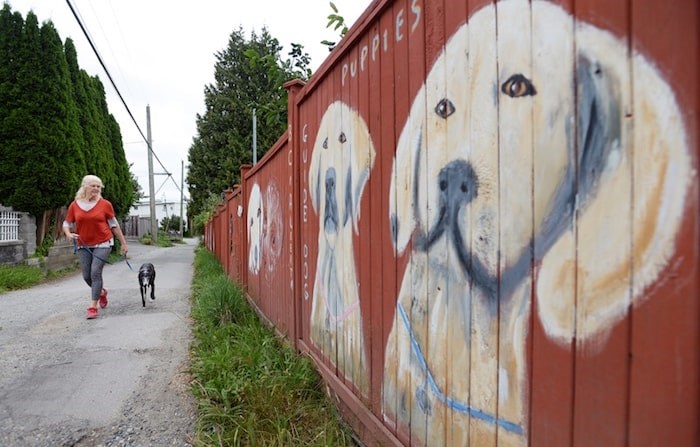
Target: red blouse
x: 92, y: 225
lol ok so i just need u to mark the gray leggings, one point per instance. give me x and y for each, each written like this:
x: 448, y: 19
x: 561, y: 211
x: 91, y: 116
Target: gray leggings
x: 92, y: 261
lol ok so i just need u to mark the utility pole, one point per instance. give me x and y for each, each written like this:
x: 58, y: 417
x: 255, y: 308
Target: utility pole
x: 151, y: 187
x: 182, y: 197
x: 255, y: 139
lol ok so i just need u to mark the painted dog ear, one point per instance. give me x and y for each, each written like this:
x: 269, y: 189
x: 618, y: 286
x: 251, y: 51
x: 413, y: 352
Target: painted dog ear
x: 633, y: 186
x: 404, y: 178
x: 319, y: 149
x: 359, y: 150
x: 599, y: 131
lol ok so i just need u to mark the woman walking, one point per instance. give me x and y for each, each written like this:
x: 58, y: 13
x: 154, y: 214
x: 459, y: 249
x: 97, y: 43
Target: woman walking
x: 92, y: 224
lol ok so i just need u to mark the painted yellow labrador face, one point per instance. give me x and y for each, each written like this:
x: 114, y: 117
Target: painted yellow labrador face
x: 519, y: 158
x: 513, y: 134
x: 342, y: 157
x: 255, y: 229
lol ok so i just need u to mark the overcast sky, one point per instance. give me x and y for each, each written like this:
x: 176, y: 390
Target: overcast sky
x: 162, y: 53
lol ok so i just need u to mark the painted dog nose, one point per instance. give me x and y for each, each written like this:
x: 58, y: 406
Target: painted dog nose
x: 330, y: 218
x: 458, y: 184
x: 330, y: 182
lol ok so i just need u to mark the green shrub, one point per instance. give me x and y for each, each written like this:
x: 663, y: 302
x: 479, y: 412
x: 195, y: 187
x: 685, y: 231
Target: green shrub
x: 43, y: 249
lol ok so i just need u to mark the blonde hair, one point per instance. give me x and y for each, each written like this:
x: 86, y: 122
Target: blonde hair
x: 83, y: 192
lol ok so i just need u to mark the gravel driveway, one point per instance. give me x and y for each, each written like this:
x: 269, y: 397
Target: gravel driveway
x: 119, y: 380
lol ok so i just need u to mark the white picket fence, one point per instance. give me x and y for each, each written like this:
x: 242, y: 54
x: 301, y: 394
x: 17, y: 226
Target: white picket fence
x: 9, y: 226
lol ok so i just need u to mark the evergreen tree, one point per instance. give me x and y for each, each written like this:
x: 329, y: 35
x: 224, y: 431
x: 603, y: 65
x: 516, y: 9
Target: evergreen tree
x: 248, y: 75
x: 102, y: 143
x: 101, y: 163
x: 171, y: 223
x: 86, y: 114
x: 11, y: 129
x: 46, y: 160
x: 55, y: 126
x: 123, y: 194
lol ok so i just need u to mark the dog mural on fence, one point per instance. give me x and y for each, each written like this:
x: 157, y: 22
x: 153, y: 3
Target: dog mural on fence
x: 255, y: 229
x: 509, y: 154
x: 273, y: 229
x: 265, y: 229
x: 343, y: 155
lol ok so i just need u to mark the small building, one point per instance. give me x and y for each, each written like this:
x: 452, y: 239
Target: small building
x: 141, y: 213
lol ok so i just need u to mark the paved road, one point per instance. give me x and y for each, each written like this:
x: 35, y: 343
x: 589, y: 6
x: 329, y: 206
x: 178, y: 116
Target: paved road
x: 117, y: 380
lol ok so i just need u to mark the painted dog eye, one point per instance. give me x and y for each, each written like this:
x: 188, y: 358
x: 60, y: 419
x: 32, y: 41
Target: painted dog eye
x: 444, y: 108
x: 517, y: 86
x: 342, y: 138
x: 325, y: 143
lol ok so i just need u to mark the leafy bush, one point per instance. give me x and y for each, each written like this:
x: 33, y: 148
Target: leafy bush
x: 147, y: 239
x: 43, y: 249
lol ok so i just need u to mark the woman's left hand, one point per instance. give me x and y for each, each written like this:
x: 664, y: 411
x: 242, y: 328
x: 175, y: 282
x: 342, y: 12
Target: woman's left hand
x: 124, y: 250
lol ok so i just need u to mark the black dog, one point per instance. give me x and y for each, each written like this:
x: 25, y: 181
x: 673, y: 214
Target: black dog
x: 147, y: 278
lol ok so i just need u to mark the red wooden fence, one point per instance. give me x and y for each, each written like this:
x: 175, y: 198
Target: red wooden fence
x: 482, y: 224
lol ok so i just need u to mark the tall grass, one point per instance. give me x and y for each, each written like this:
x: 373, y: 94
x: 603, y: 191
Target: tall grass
x: 253, y: 389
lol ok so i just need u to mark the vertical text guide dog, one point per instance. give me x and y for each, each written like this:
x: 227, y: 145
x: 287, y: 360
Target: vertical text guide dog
x: 520, y: 183
x: 147, y: 280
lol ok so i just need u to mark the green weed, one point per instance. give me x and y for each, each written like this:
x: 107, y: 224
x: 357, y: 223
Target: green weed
x: 252, y: 388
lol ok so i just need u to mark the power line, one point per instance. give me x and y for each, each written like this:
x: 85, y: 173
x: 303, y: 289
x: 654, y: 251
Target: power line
x: 104, y: 67
x: 121, y: 98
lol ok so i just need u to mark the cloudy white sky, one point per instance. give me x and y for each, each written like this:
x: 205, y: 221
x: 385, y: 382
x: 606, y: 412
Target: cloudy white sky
x: 161, y: 54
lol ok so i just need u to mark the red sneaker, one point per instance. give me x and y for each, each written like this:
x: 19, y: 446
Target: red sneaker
x: 103, y: 298
x: 91, y: 313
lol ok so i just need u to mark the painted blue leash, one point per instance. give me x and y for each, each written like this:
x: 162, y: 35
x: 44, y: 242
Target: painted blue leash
x: 92, y: 252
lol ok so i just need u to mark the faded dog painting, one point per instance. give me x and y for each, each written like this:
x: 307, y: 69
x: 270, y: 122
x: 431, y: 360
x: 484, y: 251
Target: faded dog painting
x: 342, y: 158
x: 517, y: 178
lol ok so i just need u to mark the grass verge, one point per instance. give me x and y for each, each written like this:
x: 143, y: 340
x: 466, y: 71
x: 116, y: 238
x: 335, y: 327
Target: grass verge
x: 21, y: 276
x: 252, y: 388
x: 14, y: 277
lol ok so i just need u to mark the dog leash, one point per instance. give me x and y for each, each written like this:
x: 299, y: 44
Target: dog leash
x: 127, y: 264
x: 92, y: 252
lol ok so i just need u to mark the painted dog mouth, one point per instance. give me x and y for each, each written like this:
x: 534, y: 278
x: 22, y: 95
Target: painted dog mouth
x: 458, y: 186
x: 330, y: 224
